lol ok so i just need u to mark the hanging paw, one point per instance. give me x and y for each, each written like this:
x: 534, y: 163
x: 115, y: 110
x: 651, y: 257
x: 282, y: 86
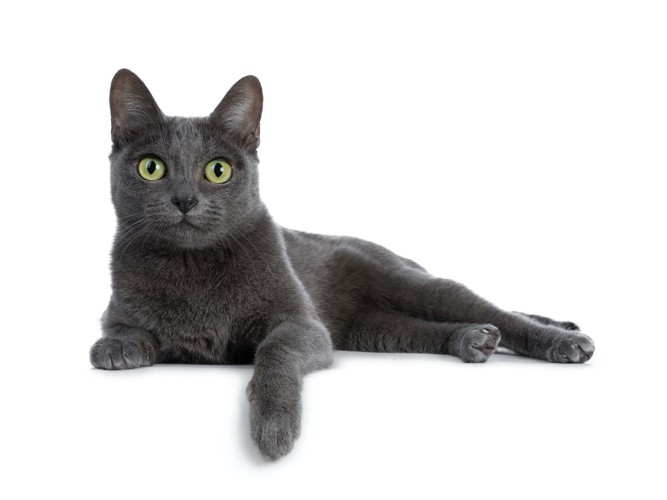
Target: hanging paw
x: 474, y: 343
x: 275, y: 417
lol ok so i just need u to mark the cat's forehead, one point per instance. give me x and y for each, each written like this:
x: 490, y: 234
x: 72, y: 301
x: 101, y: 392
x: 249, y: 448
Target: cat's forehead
x: 190, y: 138
x: 185, y: 131
x: 195, y: 134
x: 183, y: 140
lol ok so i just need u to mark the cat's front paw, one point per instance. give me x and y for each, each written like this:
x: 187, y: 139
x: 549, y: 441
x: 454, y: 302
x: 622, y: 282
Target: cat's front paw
x: 474, y: 343
x: 112, y: 353
x: 275, y: 424
x: 571, y: 347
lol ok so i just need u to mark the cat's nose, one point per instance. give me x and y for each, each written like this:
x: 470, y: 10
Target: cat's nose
x: 184, y: 203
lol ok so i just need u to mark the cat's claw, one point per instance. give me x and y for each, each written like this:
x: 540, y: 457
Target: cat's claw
x: 111, y: 353
x: 474, y: 343
x: 571, y: 348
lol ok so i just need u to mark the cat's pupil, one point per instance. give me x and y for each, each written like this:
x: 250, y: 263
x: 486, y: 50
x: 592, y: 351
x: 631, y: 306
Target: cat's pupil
x: 217, y: 170
x: 150, y: 167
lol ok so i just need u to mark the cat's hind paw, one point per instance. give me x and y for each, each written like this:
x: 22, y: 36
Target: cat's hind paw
x: 474, y: 343
x: 110, y: 353
x: 571, y: 347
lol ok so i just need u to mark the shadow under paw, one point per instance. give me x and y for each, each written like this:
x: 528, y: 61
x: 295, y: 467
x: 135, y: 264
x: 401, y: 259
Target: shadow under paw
x: 474, y: 343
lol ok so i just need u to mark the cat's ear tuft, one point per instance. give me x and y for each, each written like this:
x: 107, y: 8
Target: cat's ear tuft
x: 240, y: 111
x: 133, y: 109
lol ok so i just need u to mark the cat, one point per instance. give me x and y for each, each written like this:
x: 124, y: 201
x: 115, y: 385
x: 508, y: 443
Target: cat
x: 202, y: 274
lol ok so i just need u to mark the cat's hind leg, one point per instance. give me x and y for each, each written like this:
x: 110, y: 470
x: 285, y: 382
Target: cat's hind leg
x: 422, y: 295
x: 369, y: 274
x: 378, y: 330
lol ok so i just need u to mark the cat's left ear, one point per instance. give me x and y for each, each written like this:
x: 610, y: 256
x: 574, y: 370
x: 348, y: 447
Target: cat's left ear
x: 133, y: 109
x: 240, y: 111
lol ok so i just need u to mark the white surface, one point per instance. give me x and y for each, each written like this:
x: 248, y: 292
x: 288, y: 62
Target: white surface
x: 516, y: 147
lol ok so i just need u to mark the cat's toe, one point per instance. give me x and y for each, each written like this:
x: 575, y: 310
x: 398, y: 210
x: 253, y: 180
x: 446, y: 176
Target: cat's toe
x: 110, y: 353
x: 571, y: 348
x: 475, y: 343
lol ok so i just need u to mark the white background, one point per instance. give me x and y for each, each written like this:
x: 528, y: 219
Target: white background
x: 518, y: 147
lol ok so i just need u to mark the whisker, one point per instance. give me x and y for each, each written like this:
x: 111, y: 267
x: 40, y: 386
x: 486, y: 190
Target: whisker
x: 131, y: 216
x: 138, y: 232
x: 132, y: 226
x: 148, y: 233
x: 268, y: 266
x: 246, y: 252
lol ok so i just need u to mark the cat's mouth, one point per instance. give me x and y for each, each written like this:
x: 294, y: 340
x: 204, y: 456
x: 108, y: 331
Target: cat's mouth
x: 185, y: 222
x: 188, y: 232
x: 189, y: 221
x: 190, y: 227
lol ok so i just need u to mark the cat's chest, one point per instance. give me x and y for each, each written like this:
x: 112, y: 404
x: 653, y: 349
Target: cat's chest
x: 194, y: 306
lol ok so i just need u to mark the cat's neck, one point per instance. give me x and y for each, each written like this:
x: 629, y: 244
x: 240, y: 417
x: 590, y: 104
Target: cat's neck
x: 256, y: 238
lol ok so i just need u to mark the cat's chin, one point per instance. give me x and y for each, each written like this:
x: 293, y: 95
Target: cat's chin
x: 189, y: 236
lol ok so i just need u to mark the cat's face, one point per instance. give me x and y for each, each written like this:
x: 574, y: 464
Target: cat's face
x: 189, y: 181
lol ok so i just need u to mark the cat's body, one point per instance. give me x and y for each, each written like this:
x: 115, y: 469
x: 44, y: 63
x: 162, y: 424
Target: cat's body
x: 202, y: 274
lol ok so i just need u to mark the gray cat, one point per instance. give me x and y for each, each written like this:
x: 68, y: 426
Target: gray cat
x: 202, y: 274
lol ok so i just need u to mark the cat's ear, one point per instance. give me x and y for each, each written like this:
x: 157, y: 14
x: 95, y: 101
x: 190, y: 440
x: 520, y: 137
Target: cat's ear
x: 240, y: 111
x: 133, y: 109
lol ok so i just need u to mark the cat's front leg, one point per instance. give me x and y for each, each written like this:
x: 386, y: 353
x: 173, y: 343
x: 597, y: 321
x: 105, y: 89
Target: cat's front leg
x: 123, y: 346
x: 290, y: 350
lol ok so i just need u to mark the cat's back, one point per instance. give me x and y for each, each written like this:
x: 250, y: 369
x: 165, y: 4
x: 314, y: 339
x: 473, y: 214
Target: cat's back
x: 311, y: 252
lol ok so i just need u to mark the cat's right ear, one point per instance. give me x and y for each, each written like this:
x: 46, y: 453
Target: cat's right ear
x: 133, y: 109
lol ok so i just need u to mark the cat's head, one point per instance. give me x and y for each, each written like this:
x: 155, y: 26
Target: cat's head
x: 187, y: 181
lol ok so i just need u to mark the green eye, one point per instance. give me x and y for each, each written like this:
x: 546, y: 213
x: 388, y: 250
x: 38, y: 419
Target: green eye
x: 218, y: 171
x: 152, y: 169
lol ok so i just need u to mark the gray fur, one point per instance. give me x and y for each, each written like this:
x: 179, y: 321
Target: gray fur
x: 224, y: 284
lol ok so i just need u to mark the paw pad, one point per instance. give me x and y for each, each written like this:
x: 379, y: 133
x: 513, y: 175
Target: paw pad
x: 571, y: 348
x: 475, y: 343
